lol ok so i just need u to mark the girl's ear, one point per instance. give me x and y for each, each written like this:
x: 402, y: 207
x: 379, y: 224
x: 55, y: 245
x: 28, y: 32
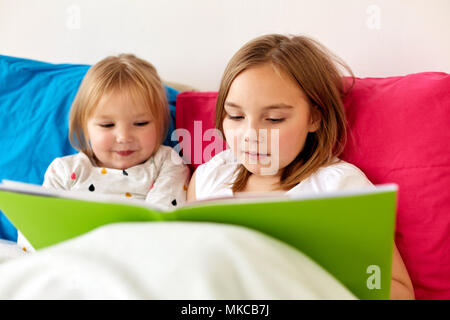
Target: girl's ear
x: 315, y: 118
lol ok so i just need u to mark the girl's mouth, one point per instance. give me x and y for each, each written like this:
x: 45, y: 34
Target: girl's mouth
x: 124, y: 153
x: 256, y: 155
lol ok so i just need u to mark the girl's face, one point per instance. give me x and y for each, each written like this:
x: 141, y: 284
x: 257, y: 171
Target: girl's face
x: 267, y: 119
x: 122, y: 133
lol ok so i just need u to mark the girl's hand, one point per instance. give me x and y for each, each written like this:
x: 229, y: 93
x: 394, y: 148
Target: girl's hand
x: 401, y: 285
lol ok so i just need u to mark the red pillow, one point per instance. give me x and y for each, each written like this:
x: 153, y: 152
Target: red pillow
x: 195, y: 112
x: 398, y: 133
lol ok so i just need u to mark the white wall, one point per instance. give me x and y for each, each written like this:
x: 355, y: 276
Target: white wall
x: 191, y: 41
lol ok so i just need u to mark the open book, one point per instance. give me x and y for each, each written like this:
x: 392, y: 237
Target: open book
x: 350, y: 234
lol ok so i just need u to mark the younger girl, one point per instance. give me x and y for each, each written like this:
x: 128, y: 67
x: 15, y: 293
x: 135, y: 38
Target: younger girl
x: 118, y: 121
x: 280, y: 110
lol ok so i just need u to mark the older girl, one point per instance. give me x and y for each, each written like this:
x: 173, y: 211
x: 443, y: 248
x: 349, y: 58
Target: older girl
x: 280, y: 110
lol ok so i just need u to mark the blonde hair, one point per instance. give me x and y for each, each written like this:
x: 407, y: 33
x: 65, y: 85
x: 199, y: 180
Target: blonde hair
x: 123, y: 73
x: 315, y: 70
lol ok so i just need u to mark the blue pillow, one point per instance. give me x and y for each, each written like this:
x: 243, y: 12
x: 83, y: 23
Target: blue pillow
x: 35, y: 99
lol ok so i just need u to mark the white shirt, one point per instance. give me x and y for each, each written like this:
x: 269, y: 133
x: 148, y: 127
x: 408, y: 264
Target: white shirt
x: 214, y: 178
x: 162, y: 180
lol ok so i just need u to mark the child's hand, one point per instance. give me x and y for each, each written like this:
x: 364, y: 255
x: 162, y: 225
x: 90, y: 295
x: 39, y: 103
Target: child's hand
x: 401, y: 285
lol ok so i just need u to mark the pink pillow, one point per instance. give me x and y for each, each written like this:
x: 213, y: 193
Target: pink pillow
x: 399, y: 133
x: 195, y: 112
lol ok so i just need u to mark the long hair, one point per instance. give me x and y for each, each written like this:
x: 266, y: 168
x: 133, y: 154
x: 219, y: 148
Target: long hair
x: 316, y: 72
x: 126, y: 74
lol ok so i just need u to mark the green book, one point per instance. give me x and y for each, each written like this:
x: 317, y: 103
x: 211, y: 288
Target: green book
x: 350, y: 234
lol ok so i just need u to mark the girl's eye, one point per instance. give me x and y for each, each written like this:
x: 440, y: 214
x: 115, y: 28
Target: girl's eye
x: 275, y: 120
x: 107, y: 125
x: 141, y: 124
x: 236, y: 118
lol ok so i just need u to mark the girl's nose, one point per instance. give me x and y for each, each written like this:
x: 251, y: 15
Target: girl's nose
x: 254, y: 133
x: 250, y: 132
x: 123, y: 136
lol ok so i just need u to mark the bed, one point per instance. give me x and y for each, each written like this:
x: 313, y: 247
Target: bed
x: 399, y: 133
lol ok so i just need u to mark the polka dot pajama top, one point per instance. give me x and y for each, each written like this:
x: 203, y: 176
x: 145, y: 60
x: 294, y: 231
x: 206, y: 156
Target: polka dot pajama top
x: 162, y: 180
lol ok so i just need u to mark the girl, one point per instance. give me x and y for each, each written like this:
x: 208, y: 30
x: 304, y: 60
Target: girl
x: 280, y: 110
x: 118, y: 121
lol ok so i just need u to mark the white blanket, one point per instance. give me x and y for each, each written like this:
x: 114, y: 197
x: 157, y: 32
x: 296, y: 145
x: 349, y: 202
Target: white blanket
x: 168, y: 260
